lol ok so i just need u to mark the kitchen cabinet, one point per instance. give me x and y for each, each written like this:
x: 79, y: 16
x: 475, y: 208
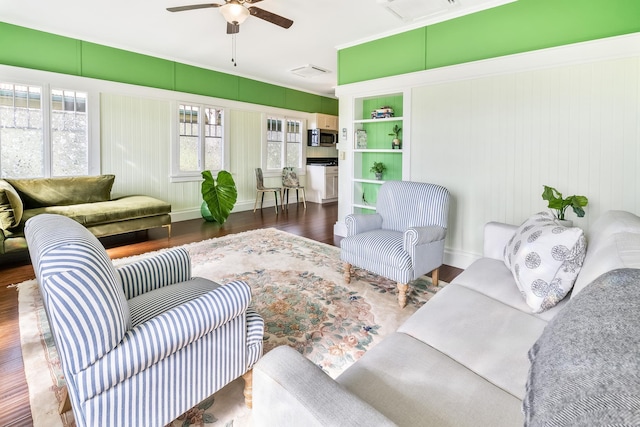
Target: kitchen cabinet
x: 324, y: 122
x: 322, y: 183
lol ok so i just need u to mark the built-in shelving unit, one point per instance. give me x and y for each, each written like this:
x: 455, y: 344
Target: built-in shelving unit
x: 378, y: 148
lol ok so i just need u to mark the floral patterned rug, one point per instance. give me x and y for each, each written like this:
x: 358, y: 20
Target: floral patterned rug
x: 298, y: 288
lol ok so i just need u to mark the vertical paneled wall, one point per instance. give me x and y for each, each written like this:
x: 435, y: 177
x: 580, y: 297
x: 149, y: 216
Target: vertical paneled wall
x: 495, y: 141
x: 135, y: 137
x: 135, y: 146
x: 245, y: 151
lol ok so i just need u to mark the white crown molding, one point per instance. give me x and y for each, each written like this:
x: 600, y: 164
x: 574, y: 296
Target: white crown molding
x: 425, y: 22
x: 591, y: 51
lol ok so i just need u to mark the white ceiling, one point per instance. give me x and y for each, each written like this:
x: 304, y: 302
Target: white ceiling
x: 264, y: 51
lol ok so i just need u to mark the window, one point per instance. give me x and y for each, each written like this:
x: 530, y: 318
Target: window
x: 43, y: 132
x: 200, y: 143
x: 284, y: 143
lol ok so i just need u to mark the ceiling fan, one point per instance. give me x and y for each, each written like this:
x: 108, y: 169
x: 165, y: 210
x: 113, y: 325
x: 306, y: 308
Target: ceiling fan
x: 235, y: 12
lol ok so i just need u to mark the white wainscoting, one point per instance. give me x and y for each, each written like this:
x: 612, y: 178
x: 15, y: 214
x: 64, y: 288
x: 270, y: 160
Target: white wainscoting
x: 495, y: 131
x: 135, y: 141
x: 495, y: 141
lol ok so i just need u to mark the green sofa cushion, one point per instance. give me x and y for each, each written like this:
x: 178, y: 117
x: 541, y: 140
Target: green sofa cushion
x: 122, y: 209
x: 10, y: 206
x: 43, y: 192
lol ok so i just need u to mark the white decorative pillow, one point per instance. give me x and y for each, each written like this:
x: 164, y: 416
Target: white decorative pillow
x: 545, y: 259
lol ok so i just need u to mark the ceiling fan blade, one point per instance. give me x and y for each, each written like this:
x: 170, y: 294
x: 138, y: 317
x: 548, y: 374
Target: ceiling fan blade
x: 233, y: 28
x: 192, y: 7
x: 270, y: 17
x: 252, y: 1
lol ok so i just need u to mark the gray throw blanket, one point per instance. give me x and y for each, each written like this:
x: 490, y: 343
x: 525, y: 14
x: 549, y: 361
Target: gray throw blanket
x: 585, y: 367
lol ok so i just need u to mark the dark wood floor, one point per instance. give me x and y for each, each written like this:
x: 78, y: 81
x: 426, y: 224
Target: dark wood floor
x: 316, y: 222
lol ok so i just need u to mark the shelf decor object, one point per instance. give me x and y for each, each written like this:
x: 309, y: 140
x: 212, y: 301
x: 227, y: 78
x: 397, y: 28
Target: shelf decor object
x: 395, y: 132
x: 361, y: 139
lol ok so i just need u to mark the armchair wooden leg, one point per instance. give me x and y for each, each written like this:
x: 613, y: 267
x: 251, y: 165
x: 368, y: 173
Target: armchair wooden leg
x: 248, y: 388
x: 434, y: 276
x: 65, y: 403
x: 347, y: 272
x: 402, y: 294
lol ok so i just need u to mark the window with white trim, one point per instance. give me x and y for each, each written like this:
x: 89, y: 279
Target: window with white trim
x: 43, y: 132
x: 200, y: 141
x: 284, y: 144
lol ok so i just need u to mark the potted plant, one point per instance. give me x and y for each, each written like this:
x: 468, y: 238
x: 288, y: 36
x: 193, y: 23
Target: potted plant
x: 378, y: 168
x: 219, y: 196
x: 560, y: 204
x: 395, y: 132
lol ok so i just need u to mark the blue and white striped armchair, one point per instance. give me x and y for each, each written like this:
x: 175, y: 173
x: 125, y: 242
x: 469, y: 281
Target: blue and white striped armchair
x: 404, y: 239
x: 141, y: 344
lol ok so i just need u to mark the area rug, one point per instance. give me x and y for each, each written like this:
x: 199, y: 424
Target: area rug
x: 298, y: 288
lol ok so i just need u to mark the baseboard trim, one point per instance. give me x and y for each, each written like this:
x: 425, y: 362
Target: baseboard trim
x: 340, y: 229
x: 194, y: 213
x: 459, y: 259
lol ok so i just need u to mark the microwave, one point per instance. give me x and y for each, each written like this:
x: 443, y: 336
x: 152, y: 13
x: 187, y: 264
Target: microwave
x: 321, y: 138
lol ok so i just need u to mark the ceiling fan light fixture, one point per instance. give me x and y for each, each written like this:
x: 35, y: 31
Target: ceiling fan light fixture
x: 234, y: 12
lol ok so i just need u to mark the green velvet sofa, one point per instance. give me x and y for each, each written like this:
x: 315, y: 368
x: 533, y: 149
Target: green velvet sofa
x: 86, y: 199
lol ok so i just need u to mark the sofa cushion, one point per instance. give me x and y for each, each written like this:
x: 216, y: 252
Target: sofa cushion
x: 486, y: 336
x: 545, y: 259
x: 10, y: 206
x: 122, y: 209
x: 41, y: 192
x: 611, y: 222
x: 492, y: 278
x: 618, y: 250
x: 584, y: 367
x: 414, y: 384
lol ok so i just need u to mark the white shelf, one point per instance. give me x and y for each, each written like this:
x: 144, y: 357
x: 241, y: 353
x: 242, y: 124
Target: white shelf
x: 369, y: 181
x: 377, y: 150
x: 388, y: 119
x: 369, y: 207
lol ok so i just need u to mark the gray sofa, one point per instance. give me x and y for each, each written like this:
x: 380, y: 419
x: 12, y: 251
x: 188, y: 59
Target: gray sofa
x: 463, y: 358
x: 86, y: 199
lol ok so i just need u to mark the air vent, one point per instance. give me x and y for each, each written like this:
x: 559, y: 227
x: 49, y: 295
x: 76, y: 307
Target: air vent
x: 413, y: 10
x: 309, y: 70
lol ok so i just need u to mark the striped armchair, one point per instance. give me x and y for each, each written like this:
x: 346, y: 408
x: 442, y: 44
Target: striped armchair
x: 141, y: 344
x: 404, y: 239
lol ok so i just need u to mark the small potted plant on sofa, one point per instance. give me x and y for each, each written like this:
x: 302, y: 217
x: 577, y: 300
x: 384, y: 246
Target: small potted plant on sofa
x: 395, y: 132
x: 560, y: 204
x: 378, y: 168
x: 219, y: 196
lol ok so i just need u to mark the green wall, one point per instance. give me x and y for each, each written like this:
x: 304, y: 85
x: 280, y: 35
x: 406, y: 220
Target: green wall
x: 522, y: 26
x: 27, y: 48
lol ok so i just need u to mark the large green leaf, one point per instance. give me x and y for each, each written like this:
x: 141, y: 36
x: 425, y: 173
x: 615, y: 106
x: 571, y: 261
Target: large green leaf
x: 220, y: 194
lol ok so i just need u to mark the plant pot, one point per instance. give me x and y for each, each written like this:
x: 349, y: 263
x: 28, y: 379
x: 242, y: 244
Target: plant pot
x: 206, y: 213
x: 396, y: 144
x: 565, y: 222
x: 378, y: 176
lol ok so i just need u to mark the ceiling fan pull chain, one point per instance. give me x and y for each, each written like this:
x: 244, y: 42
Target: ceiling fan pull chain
x: 233, y: 50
